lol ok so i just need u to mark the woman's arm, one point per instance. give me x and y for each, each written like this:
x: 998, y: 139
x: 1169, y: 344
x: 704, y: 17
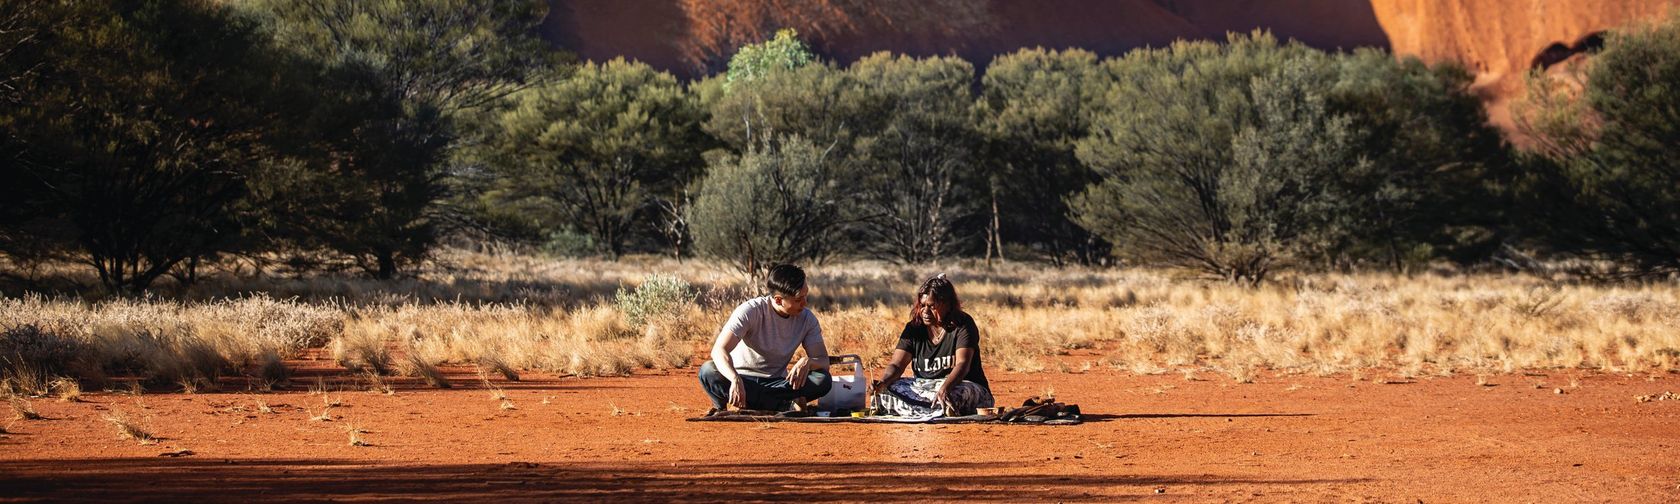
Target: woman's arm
x: 895, y: 368
x: 959, y: 370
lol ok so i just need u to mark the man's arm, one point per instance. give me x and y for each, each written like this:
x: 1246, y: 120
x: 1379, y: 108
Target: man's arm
x: 725, y: 342
x: 816, y: 357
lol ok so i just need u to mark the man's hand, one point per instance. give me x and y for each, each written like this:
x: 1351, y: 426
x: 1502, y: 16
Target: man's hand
x: 737, y: 395
x: 941, y: 398
x: 796, y: 376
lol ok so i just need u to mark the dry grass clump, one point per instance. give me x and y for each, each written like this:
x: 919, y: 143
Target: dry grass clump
x: 158, y: 341
x: 128, y: 428
x: 22, y: 409
x: 491, y: 361
x: 378, y: 385
x: 67, y: 389
x: 31, y: 356
x: 1240, y: 372
x: 324, y: 416
x: 419, y: 365
x: 355, y: 433
x: 361, y: 349
x: 585, y: 341
x: 194, y: 384
x: 496, y: 393
x: 272, y: 372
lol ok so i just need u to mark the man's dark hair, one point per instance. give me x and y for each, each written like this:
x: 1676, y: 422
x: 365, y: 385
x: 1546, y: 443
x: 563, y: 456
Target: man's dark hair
x: 785, y: 279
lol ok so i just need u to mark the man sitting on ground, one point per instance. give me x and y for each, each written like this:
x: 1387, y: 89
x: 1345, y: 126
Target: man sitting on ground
x: 749, y: 366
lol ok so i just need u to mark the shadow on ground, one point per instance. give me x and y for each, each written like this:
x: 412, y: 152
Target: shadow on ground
x: 1196, y: 415
x: 147, y: 479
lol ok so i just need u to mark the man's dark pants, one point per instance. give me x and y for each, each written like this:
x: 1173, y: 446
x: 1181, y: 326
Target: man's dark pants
x: 767, y: 394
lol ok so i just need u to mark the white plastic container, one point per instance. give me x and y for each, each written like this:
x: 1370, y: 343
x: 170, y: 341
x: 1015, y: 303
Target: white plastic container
x: 847, y: 392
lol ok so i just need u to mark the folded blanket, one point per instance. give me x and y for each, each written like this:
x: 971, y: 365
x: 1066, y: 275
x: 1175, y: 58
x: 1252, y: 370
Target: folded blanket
x: 1035, y: 411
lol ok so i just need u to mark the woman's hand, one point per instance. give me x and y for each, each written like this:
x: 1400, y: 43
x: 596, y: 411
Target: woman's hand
x: 942, y: 397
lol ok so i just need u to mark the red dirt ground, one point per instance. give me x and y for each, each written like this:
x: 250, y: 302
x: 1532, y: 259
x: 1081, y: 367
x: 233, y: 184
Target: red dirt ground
x: 1160, y: 438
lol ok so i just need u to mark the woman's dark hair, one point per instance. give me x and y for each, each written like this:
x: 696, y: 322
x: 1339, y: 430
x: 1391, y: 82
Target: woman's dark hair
x: 941, y: 291
x: 785, y: 279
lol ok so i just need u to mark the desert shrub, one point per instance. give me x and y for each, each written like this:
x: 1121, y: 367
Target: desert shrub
x: 1237, y: 158
x: 921, y: 197
x: 568, y: 243
x: 1217, y: 157
x: 776, y: 203
x: 1603, y: 171
x: 658, y: 296
x: 596, y: 149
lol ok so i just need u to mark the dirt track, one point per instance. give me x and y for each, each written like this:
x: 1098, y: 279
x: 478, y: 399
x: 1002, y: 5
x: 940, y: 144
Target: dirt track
x: 1151, y: 437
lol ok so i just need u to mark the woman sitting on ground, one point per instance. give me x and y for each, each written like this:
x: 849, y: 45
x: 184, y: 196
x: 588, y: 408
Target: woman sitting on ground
x: 942, y: 345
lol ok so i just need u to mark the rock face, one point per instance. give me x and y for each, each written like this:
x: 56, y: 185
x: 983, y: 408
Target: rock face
x: 1501, y: 40
x: 694, y: 37
x: 1498, y: 39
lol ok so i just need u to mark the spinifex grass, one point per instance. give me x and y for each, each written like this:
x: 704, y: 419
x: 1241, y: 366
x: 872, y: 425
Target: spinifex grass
x: 508, y: 312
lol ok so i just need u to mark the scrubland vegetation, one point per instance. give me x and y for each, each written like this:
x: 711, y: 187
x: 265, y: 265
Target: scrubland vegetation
x: 1032, y: 318
x: 196, y: 209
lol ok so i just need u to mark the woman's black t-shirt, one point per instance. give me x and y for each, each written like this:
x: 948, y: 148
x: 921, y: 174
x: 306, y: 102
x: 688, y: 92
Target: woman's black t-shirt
x: 933, y: 361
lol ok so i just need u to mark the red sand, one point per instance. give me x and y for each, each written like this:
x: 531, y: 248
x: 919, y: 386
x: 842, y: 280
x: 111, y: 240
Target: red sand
x: 1157, y: 437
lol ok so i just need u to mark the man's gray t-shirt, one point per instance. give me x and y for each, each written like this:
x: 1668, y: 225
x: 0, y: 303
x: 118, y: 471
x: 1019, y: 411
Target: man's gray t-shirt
x: 768, y: 340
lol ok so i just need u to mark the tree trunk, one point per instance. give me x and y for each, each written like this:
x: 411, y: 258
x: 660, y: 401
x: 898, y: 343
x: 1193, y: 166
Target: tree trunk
x: 387, y: 265
x: 997, y: 234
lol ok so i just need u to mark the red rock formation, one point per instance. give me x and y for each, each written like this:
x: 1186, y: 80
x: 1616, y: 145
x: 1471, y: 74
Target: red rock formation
x: 1501, y: 40
x: 693, y: 37
x: 1498, y: 39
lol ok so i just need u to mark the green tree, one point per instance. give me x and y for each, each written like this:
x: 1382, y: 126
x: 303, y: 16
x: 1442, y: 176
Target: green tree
x: 1034, y: 105
x: 1213, y: 156
x: 1605, y: 174
x: 919, y: 192
x: 811, y: 101
x: 1435, y: 183
x: 778, y: 203
x: 778, y: 89
x: 1365, y: 159
x: 132, y: 139
x: 28, y: 229
x: 599, y: 150
x: 397, y: 80
x: 781, y: 53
